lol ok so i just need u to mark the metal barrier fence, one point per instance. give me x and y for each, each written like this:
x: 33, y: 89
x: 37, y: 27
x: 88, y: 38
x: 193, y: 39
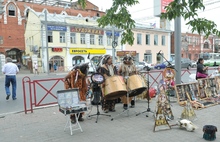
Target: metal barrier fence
x: 32, y: 98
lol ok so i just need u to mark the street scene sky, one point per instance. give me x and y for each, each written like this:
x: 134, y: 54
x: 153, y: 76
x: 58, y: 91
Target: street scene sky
x: 144, y: 12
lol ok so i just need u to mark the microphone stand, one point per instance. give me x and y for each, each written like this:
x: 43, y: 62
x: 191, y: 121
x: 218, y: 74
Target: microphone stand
x: 148, y: 96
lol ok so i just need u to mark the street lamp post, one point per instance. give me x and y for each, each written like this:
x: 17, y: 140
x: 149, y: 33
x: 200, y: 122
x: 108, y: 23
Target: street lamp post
x: 114, y: 45
x: 47, y: 52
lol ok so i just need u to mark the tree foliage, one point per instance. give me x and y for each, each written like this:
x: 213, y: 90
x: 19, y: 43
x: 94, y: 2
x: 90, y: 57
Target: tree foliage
x: 188, y: 9
x: 119, y: 16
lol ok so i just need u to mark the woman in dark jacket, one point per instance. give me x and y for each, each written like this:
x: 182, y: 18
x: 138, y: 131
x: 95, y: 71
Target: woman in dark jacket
x: 201, y: 69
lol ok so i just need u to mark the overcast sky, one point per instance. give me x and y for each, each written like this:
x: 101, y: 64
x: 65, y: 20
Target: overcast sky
x: 144, y: 11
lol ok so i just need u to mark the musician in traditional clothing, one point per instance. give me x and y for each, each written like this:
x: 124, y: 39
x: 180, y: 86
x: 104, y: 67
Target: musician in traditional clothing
x: 108, y: 70
x: 77, y: 78
x: 127, y: 69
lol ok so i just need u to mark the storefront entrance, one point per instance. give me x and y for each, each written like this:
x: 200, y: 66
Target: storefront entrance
x: 56, y: 63
x: 77, y: 60
x: 15, y: 54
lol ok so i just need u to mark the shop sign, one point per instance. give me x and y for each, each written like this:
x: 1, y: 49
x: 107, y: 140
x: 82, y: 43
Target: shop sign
x: 56, y: 28
x: 124, y: 53
x: 57, y: 49
x: 86, y: 51
x: 87, y: 30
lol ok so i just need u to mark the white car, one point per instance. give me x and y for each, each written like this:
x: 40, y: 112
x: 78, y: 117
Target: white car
x: 144, y: 66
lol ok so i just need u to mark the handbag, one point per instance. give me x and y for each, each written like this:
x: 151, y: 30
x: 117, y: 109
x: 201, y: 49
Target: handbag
x: 201, y: 75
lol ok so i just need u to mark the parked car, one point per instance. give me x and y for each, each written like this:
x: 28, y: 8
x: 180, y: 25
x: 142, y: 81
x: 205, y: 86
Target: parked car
x: 185, y: 63
x: 161, y: 65
x: 144, y: 66
x: 193, y: 64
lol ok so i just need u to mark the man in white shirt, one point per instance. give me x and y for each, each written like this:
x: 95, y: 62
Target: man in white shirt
x: 10, y: 70
x: 36, y: 68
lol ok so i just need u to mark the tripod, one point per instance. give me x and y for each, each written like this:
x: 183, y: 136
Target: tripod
x: 148, y: 96
x: 125, y: 110
x: 97, y: 95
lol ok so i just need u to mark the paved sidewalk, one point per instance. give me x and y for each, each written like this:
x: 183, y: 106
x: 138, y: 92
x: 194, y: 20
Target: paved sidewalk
x: 46, y: 125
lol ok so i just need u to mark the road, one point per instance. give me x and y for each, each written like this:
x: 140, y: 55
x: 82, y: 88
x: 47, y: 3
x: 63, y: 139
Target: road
x: 11, y: 106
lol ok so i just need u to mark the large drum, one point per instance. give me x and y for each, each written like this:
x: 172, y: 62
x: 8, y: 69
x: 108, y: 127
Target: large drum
x: 136, y: 85
x: 115, y: 87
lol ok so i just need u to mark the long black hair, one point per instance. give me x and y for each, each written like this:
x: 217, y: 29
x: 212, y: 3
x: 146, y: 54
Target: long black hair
x: 199, y: 60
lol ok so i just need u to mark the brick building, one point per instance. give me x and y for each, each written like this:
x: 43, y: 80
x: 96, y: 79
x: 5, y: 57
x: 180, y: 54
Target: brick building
x: 13, y: 20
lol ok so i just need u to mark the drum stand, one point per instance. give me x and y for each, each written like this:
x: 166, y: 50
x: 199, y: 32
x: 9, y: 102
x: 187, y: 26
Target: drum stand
x: 148, y: 97
x: 125, y: 110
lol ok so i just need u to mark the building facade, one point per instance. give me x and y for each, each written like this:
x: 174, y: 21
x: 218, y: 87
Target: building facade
x: 13, y: 22
x: 69, y: 39
x: 149, y: 42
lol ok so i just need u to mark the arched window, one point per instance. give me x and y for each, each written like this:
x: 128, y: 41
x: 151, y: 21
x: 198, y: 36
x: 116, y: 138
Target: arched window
x: 11, y: 10
x: 77, y: 60
x: 206, y: 45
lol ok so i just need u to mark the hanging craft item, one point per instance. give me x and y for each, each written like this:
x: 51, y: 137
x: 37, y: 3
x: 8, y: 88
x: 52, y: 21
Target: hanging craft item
x: 188, y: 112
x: 163, y: 113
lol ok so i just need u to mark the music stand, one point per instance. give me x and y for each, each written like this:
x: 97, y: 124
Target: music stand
x: 97, y: 79
x: 148, y: 95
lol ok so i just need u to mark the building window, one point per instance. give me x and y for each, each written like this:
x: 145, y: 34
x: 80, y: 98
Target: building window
x: 206, y: 45
x: 147, y: 39
x: 100, y: 40
x: 155, y: 39
x: 73, y: 38
x: 82, y: 38
x: 1, y: 39
x: 92, y: 39
x: 163, y: 40
x: 109, y: 41
x: 139, y: 39
x: 62, y: 37
x: 11, y: 10
x: 50, y: 37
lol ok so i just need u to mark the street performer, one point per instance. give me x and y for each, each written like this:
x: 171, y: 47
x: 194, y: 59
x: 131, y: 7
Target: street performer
x: 77, y: 78
x: 107, y: 69
x: 127, y: 69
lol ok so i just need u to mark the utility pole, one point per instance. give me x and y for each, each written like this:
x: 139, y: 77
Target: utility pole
x: 114, y: 44
x: 177, y: 43
x: 47, y: 52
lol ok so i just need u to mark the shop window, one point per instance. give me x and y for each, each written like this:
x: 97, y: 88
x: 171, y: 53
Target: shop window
x: 73, y: 38
x: 95, y: 60
x: 11, y: 10
x: 109, y: 41
x: 77, y: 60
x: 206, y: 45
x: 82, y: 38
x: 62, y: 37
x: 50, y: 37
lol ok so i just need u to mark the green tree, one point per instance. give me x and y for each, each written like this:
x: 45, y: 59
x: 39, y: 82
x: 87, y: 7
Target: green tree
x: 119, y: 16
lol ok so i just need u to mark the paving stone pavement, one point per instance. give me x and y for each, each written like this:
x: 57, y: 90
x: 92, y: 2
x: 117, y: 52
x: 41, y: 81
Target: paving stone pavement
x: 47, y: 124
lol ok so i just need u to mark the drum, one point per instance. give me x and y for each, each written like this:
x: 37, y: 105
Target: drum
x: 136, y: 85
x: 115, y: 87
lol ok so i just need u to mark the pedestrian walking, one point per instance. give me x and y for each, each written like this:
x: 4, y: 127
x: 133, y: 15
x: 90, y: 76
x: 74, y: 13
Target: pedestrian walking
x: 10, y: 70
x: 55, y: 67
x: 36, y: 68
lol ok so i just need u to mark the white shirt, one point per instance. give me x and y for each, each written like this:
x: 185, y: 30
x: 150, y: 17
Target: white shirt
x: 35, y: 66
x: 10, y: 69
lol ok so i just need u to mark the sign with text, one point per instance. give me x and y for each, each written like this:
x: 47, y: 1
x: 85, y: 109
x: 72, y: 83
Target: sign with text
x: 87, y: 30
x: 86, y: 51
x: 124, y: 53
x: 165, y: 3
x: 57, y: 49
x: 56, y: 28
